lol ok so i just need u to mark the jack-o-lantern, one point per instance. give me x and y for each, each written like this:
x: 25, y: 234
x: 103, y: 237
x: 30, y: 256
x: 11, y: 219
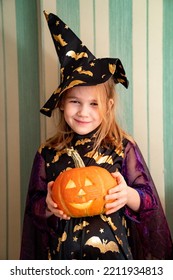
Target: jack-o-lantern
x: 80, y: 192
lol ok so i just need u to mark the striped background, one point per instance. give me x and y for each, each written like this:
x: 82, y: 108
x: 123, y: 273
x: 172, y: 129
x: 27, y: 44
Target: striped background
x: 139, y: 32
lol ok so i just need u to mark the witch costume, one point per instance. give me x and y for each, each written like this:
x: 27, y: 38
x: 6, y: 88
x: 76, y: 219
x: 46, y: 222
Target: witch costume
x: 122, y: 235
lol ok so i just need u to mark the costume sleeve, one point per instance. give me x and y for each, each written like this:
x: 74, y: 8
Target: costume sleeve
x: 37, y: 191
x: 137, y: 176
x: 150, y: 237
x: 34, y: 243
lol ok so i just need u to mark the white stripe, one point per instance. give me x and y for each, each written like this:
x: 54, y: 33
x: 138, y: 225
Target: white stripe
x: 102, y: 28
x: 155, y: 95
x: 12, y: 125
x: 140, y: 76
x: 87, y: 24
x: 49, y: 67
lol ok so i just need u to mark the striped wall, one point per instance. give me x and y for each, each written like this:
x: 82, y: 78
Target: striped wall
x: 10, y: 134
x: 139, y: 32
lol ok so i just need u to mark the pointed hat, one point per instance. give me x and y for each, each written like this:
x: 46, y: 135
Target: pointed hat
x: 78, y: 65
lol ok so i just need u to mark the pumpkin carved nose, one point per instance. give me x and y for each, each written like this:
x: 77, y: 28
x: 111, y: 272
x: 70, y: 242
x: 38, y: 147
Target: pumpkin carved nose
x: 81, y: 193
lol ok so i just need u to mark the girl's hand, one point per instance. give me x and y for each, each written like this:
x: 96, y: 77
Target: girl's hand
x: 52, y: 207
x: 117, y: 195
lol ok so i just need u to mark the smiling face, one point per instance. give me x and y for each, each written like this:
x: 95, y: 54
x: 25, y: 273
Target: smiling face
x: 81, y: 110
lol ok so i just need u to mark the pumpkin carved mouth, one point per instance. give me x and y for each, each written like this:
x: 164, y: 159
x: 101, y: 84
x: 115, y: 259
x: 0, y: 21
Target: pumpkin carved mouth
x: 84, y: 205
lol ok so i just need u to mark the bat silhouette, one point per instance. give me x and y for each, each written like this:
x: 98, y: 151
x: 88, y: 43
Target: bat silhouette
x: 82, y: 141
x: 75, y: 55
x: 104, y: 246
x: 59, y: 39
x: 80, y: 226
x: 100, y: 158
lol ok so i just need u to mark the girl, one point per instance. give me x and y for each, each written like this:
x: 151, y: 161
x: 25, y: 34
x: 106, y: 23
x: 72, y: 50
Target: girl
x: 134, y: 225
x: 130, y: 228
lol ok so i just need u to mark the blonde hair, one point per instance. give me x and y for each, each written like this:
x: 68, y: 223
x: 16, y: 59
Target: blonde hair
x: 108, y: 133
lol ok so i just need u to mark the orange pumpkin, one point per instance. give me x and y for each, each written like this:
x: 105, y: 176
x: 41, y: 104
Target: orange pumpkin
x: 80, y: 192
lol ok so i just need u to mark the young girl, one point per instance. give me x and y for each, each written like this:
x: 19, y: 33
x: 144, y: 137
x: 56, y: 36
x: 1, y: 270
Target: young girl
x: 87, y: 123
x: 134, y: 225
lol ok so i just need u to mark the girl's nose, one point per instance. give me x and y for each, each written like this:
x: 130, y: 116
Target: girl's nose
x: 83, y: 111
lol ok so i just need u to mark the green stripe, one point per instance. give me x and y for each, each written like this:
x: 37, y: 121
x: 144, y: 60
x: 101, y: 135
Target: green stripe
x: 68, y: 11
x: 120, y: 22
x: 28, y: 79
x: 43, y: 97
x: 168, y: 105
x: 6, y: 214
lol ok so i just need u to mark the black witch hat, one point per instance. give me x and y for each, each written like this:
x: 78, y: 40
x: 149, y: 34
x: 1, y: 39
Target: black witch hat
x: 78, y: 65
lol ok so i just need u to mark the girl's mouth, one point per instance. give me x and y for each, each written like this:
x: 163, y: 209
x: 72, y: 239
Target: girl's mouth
x: 81, y: 122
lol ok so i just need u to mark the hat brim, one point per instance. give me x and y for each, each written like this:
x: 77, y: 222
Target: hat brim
x: 95, y: 72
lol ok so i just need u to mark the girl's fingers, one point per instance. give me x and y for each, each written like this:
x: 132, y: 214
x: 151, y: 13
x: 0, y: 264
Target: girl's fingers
x: 52, y: 206
x: 50, y: 203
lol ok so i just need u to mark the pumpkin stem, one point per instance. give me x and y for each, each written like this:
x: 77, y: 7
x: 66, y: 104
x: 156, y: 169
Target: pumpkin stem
x: 78, y: 162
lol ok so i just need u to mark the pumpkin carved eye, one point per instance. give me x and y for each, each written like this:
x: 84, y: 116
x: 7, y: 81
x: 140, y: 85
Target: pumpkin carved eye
x: 88, y: 182
x: 70, y: 185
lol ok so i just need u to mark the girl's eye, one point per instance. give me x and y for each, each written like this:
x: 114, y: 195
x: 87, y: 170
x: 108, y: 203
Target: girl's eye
x: 74, y: 101
x: 94, y: 104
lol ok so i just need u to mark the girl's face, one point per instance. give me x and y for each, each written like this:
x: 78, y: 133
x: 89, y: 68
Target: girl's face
x: 81, y: 110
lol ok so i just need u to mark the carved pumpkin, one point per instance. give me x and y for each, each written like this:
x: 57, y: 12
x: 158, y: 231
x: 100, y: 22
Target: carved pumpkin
x: 80, y: 192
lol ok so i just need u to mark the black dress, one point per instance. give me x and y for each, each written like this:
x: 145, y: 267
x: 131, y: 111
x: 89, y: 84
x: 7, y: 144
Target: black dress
x: 121, y: 235
x: 97, y: 237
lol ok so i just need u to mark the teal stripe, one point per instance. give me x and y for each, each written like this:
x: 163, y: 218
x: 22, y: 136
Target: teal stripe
x: 147, y: 85
x: 28, y: 79
x: 68, y: 11
x: 42, y: 20
x: 168, y: 105
x: 120, y: 22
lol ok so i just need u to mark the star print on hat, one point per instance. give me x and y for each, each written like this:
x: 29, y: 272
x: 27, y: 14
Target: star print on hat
x: 78, y: 65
